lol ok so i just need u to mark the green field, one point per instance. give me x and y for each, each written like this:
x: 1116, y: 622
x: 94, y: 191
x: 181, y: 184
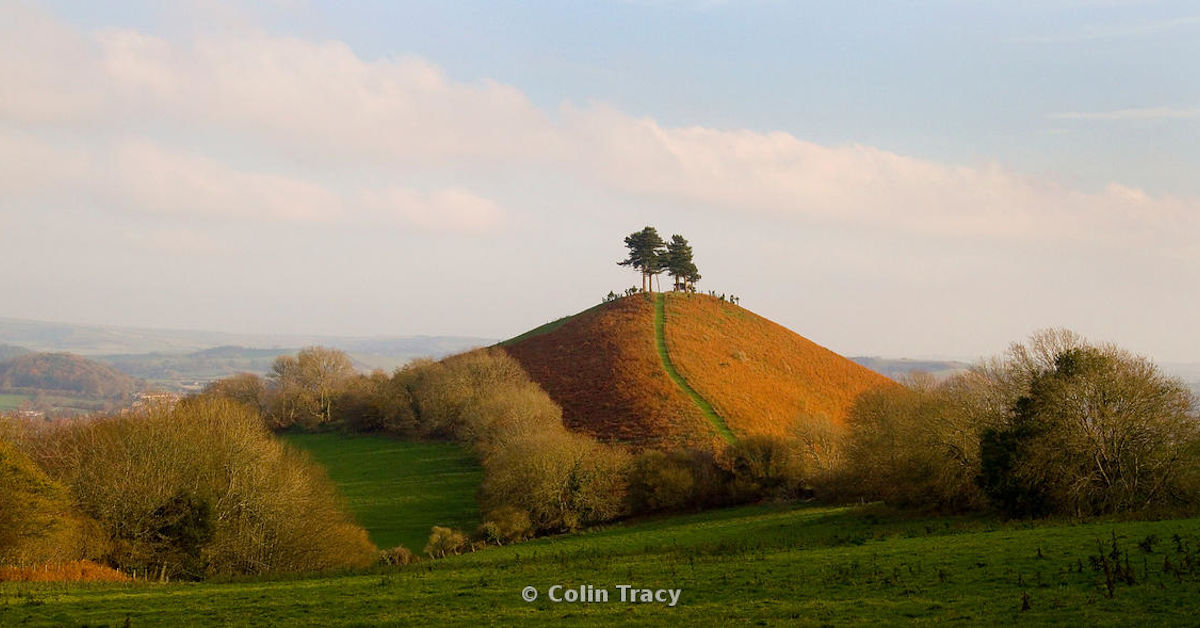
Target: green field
x: 770, y: 565
x: 397, y: 489
x: 10, y: 401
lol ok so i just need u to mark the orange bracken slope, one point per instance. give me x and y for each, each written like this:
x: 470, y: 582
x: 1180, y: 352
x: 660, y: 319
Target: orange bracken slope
x: 759, y: 376
x: 602, y: 367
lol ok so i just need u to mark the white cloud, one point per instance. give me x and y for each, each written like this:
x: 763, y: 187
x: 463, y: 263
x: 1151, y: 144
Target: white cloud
x: 148, y: 177
x: 443, y: 210
x: 287, y: 103
x: 861, y: 185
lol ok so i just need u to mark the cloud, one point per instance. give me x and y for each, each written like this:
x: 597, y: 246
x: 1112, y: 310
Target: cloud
x: 1143, y: 113
x: 153, y: 179
x: 321, y: 134
x: 860, y: 185
x: 443, y: 210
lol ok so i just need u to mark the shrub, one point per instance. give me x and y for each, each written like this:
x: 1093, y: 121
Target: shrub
x: 445, y: 541
x: 202, y: 488
x: 658, y: 482
x: 563, y: 480
x: 913, y: 446
x: 1098, y: 431
x: 36, y: 522
x: 303, y: 388
x: 482, y: 397
x: 245, y: 388
x: 764, y: 467
x: 506, y: 524
x: 74, y: 571
x: 397, y: 556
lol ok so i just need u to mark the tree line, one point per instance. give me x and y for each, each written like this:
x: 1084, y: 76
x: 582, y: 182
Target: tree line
x: 1056, y: 426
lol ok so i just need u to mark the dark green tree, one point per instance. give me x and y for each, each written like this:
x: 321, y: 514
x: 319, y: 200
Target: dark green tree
x: 679, y: 263
x: 646, y: 254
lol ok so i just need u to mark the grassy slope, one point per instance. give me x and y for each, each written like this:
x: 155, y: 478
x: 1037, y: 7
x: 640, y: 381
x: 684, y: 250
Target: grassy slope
x: 758, y: 375
x: 728, y: 372
x: 546, y: 328
x: 396, y: 489
x: 804, y: 565
x: 601, y: 367
x: 660, y: 341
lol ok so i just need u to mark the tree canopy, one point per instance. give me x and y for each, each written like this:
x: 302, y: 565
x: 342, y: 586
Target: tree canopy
x: 646, y: 254
x: 679, y: 263
x: 651, y: 256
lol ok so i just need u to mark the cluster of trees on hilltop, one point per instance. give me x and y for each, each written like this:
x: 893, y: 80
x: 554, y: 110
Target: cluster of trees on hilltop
x: 651, y: 256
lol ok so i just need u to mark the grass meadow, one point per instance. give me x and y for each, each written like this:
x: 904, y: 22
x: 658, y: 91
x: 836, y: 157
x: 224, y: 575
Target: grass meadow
x: 770, y: 565
x: 397, y: 489
x: 11, y: 401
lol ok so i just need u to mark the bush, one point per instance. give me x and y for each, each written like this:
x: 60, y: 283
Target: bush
x: 202, y: 488
x: 397, y: 556
x: 563, y: 480
x: 1098, y: 431
x: 303, y: 389
x: 245, y: 388
x: 36, y: 522
x: 444, y: 542
x: 506, y: 524
x: 482, y: 397
x: 913, y: 446
x: 658, y: 482
x: 764, y: 467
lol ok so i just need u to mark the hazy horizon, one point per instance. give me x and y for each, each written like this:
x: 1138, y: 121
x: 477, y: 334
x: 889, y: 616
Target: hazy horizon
x: 932, y: 180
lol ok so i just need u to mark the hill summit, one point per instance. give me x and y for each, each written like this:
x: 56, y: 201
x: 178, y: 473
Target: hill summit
x: 685, y: 369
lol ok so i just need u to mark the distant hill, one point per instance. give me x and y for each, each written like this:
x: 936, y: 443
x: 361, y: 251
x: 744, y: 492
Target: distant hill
x: 8, y: 352
x: 65, y: 373
x: 177, y: 371
x: 185, y: 371
x: 898, y: 367
x: 180, y: 359
x: 603, y: 367
x: 94, y: 340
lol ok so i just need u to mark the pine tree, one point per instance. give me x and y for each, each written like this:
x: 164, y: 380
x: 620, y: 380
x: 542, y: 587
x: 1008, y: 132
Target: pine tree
x: 679, y: 263
x: 646, y: 254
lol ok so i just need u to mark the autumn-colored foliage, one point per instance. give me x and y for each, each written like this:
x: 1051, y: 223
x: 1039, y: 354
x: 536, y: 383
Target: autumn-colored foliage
x: 36, y: 522
x: 761, y: 377
x: 68, y: 373
x: 602, y: 368
x: 74, y: 571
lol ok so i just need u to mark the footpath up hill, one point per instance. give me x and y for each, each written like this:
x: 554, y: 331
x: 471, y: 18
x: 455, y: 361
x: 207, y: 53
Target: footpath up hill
x: 746, y: 375
x: 601, y: 366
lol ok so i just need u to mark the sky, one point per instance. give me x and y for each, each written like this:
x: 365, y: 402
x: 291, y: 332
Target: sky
x: 920, y: 178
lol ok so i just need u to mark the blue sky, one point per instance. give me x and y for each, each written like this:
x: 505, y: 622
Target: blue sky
x: 915, y: 178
